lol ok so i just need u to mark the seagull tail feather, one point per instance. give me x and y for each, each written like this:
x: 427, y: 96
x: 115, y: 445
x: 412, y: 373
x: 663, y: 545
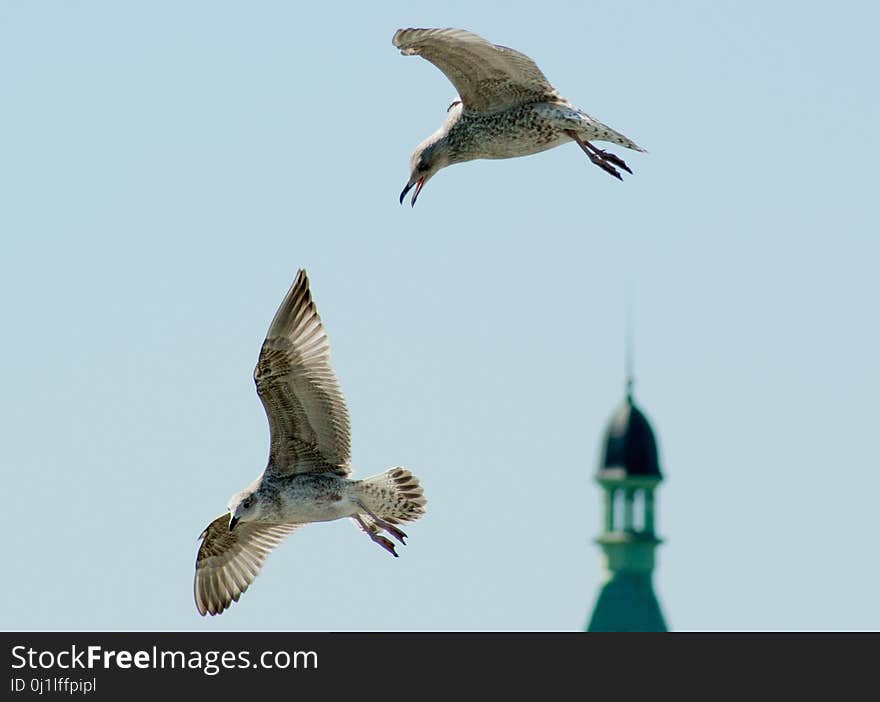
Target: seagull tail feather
x: 395, y: 495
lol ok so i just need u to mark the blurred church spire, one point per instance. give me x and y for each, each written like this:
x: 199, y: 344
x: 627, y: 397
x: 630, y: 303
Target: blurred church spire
x: 628, y: 474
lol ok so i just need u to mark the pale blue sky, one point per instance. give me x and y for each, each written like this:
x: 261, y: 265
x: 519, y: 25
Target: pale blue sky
x: 166, y: 167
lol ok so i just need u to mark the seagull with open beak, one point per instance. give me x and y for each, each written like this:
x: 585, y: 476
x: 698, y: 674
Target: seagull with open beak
x: 506, y: 108
x: 430, y: 156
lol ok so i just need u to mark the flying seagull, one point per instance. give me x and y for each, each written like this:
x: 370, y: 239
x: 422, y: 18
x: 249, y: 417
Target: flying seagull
x: 505, y: 108
x: 306, y: 478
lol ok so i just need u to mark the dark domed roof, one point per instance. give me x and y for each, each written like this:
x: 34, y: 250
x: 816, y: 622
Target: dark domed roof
x: 630, y: 447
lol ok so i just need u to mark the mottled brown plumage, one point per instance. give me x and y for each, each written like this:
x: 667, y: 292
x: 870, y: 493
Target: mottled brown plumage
x: 305, y: 479
x: 308, y: 421
x: 488, y: 77
x: 506, y: 108
x: 228, y: 561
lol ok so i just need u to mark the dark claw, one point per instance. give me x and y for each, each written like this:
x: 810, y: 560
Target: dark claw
x: 396, y: 533
x: 385, y: 543
x: 616, y: 160
x: 608, y: 168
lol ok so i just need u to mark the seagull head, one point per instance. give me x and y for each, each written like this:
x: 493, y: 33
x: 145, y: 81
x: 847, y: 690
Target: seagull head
x: 427, y: 159
x: 243, y: 507
x: 432, y: 154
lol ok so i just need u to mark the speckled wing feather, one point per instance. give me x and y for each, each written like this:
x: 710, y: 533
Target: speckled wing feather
x: 488, y: 77
x: 308, y: 420
x: 228, y: 561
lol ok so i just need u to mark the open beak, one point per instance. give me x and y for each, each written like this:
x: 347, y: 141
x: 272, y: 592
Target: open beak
x: 232, y: 522
x: 419, y: 183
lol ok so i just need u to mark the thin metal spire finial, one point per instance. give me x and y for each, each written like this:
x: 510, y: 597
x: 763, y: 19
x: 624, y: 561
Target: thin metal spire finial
x: 630, y: 352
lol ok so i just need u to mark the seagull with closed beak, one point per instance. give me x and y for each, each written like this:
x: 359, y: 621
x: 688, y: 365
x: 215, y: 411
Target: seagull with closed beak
x: 307, y: 476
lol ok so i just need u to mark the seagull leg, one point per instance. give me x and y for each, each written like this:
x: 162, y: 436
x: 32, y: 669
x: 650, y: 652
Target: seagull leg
x: 387, y: 526
x: 601, y: 158
x: 374, y: 534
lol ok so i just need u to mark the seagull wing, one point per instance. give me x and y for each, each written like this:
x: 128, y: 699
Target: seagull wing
x: 228, y: 561
x: 488, y: 77
x: 308, y: 420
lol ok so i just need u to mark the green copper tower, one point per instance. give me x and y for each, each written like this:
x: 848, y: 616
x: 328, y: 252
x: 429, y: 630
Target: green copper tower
x: 628, y: 474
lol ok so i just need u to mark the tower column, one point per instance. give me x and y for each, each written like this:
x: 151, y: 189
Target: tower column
x: 609, y: 509
x: 628, y: 509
